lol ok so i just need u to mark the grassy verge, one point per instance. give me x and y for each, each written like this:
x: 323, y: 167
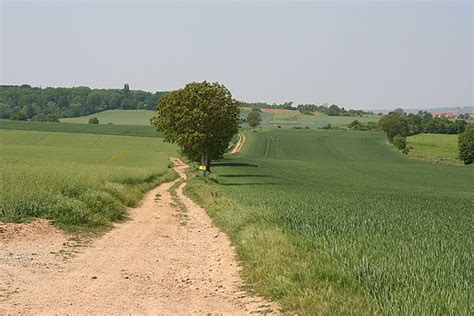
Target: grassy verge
x: 280, y: 264
x: 82, y: 182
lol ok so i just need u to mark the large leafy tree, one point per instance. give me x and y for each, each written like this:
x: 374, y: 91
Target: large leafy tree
x: 393, y: 124
x: 200, y: 118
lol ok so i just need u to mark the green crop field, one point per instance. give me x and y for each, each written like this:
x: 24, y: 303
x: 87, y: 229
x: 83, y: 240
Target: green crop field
x: 120, y: 117
x: 439, y: 148
x: 269, y: 120
x: 80, y: 181
x: 297, y: 119
x: 125, y: 130
x: 339, y: 222
x: 292, y: 120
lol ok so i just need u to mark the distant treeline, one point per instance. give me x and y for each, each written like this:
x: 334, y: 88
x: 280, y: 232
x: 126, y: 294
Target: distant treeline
x: 49, y: 104
x: 331, y: 110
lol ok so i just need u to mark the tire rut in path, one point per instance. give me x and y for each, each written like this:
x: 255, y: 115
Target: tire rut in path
x: 239, y: 144
x: 150, y: 264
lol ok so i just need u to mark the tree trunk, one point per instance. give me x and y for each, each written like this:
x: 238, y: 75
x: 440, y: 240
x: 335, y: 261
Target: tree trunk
x: 207, y: 163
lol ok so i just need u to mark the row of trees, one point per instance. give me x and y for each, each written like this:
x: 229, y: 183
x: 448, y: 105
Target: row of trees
x: 331, y: 110
x: 397, y: 126
x: 263, y: 105
x: 25, y: 102
x: 423, y: 122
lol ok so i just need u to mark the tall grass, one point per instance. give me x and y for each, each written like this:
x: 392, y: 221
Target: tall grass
x: 79, y: 181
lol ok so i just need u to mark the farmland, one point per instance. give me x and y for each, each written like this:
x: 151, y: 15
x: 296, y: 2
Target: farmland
x: 439, y: 148
x: 80, y: 181
x: 107, y: 129
x: 287, y: 119
x: 340, y: 222
x: 120, y: 117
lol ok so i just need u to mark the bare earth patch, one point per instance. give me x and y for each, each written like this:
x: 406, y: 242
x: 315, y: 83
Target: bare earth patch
x: 151, y: 264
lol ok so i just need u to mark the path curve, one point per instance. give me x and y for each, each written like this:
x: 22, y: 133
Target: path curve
x: 168, y: 259
x: 239, y: 144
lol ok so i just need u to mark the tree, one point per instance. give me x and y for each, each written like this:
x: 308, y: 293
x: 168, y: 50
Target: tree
x: 334, y: 110
x: 393, y: 124
x: 201, y: 118
x: 466, y: 145
x: 254, y: 118
x: 400, y: 142
x: 399, y: 111
x: 18, y: 116
x: 93, y: 120
x: 126, y: 89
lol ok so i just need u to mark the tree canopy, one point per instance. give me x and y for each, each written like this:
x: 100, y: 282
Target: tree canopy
x: 200, y: 118
x: 25, y: 102
x: 466, y: 145
x: 254, y: 118
x: 423, y: 122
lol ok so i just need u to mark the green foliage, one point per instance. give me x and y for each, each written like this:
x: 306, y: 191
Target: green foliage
x: 393, y: 124
x: 400, y: 227
x: 466, y: 145
x: 201, y: 118
x: 45, y: 118
x: 80, y: 181
x: 93, y: 120
x: 70, y: 102
x: 397, y: 124
x: 254, y: 118
x: 333, y: 110
x: 361, y: 126
x: 18, y: 116
x: 400, y: 142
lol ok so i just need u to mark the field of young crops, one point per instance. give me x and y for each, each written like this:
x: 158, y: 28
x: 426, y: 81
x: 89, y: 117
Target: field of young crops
x: 104, y: 129
x: 120, y: 117
x: 321, y: 217
x: 80, y: 181
x: 269, y: 120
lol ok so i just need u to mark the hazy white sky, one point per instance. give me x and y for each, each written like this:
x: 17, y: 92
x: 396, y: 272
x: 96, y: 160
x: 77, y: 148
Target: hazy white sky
x: 358, y: 54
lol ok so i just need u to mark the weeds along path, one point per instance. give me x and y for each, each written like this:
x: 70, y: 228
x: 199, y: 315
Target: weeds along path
x: 239, y: 144
x: 168, y: 258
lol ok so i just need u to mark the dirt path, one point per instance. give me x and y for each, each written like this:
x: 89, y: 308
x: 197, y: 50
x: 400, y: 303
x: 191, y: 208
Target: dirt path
x: 239, y: 144
x: 168, y: 259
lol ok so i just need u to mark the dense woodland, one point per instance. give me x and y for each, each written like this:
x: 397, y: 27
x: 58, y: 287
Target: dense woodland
x: 49, y: 104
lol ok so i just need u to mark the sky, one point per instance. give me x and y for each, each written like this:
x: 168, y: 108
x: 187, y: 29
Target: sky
x: 366, y: 55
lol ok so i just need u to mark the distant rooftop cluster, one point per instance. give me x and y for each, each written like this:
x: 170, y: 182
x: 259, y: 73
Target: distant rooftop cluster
x: 469, y: 116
